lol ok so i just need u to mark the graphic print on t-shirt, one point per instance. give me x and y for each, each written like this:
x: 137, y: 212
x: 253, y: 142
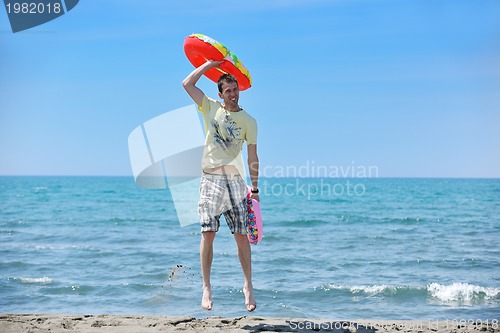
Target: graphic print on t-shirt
x: 226, y: 130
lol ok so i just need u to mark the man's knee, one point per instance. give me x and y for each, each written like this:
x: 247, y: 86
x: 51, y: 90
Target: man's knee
x: 208, y: 236
x: 241, y: 239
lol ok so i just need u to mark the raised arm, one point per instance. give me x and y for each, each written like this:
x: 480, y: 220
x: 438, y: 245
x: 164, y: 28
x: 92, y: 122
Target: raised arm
x: 189, y: 82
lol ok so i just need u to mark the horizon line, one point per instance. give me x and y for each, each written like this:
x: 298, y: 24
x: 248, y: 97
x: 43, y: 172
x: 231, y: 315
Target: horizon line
x: 263, y: 177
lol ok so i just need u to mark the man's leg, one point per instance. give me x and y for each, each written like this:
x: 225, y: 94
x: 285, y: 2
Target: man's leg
x: 206, y: 256
x: 245, y: 256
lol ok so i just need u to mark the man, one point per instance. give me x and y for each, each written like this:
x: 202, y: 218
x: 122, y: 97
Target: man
x: 223, y: 189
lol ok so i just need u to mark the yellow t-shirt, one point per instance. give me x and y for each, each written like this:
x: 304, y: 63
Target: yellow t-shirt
x: 226, y: 131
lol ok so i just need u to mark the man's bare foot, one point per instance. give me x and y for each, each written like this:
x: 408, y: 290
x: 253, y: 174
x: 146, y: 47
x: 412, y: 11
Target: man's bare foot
x: 249, y: 299
x: 206, y: 301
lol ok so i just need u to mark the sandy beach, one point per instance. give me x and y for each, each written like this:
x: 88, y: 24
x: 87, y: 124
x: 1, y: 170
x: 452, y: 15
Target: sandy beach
x: 17, y: 323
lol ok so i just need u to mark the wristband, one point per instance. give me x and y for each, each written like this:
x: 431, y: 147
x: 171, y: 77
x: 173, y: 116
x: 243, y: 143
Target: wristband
x: 255, y: 191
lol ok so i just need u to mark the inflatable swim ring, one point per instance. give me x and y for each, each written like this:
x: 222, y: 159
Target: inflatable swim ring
x: 254, y: 226
x: 200, y: 48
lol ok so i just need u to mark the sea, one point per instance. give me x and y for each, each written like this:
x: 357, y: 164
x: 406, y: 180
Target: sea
x: 337, y: 248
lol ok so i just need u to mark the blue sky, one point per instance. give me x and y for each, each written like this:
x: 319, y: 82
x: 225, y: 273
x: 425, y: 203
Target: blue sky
x: 411, y: 87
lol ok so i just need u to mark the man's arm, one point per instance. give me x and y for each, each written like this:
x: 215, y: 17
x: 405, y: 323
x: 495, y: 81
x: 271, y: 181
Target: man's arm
x: 253, y: 167
x: 189, y: 82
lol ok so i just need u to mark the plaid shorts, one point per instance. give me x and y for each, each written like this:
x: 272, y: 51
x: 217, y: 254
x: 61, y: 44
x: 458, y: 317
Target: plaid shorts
x: 223, y: 194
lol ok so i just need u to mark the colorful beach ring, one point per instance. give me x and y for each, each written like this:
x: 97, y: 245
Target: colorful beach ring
x: 200, y: 48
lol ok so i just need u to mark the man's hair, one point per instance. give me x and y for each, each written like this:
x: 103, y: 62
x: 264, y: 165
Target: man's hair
x: 227, y: 78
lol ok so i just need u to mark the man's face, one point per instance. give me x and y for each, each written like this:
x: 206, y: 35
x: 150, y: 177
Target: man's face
x: 230, y: 94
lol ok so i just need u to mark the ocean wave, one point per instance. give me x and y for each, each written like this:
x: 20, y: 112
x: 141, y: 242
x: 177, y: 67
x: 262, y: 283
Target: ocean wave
x: 42, y: 280
x: 38, y: 189
x: 302, y: 223
x: 373, y: 290
x: 462, y: 293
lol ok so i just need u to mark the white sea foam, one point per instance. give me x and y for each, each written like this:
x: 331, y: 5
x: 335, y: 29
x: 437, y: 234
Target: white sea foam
x: 38, y: 189
x: 372, y: 290
x: 462, y: 292
x: 43, y: 280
